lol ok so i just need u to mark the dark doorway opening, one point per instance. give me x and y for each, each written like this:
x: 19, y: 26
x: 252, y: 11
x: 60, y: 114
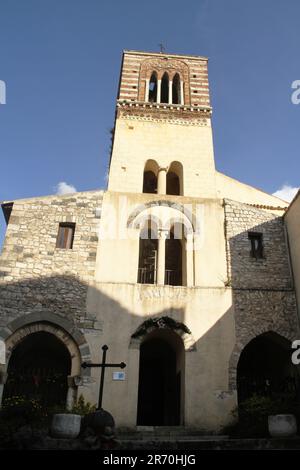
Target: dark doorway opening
x: 38, y: 369
x: 265, y: 368
x: 160, y: 381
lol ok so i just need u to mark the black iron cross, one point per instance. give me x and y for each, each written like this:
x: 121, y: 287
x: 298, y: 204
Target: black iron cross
x: 162, y: 48
x: 103, y: 365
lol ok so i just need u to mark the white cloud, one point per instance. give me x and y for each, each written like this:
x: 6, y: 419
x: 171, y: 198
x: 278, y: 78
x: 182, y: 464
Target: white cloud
x: 64, y: 188
x: 286, y: 192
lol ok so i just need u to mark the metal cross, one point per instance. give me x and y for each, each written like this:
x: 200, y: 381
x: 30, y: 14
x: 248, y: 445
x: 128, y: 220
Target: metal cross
x: 162, y: 48
x: 103, y: 365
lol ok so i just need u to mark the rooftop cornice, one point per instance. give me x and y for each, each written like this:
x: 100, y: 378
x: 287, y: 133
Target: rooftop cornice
x: 164, y: 54
x: 180, y: 107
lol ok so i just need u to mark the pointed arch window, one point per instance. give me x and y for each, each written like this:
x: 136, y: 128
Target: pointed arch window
x: 176, y: 97
x: 164, y: 94
x: 153, y: 88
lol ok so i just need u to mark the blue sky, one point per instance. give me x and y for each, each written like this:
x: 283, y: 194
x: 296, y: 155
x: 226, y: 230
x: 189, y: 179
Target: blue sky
x: 60, y: 60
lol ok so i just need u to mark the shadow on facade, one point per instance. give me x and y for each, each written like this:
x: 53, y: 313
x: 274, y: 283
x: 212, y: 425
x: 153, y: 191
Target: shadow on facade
x: 265, y: 310
x: 174, y: 374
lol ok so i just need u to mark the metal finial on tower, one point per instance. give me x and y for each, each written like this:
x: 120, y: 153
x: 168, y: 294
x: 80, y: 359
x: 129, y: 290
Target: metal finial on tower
x: 162, y: 48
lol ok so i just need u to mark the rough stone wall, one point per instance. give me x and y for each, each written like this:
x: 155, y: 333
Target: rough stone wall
x: 35, y: 276
x: 263, y: 294
x: 244, y: 271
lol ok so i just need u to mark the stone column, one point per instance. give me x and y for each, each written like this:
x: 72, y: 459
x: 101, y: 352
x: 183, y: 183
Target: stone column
x: 161, y: 257
x: 147, y: 90
x: 181, y: 92
x: 170, y: 92
x: 158, y: 91
x: 162, y: 181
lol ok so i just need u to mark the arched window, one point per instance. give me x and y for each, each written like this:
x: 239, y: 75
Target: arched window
x: 150, y: 177
x: 164, y: 95
x: 153, y: 88
x: 175, y: 263
x: 175, y: 179
x: 176, y: 98
x: 148, y: 249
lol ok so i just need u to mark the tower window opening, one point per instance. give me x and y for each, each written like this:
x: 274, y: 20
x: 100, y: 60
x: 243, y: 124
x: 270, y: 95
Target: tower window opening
x: 153, y: 88
x: 150, y: 177
x: 164, y: 96
x: 175, y: 179
x: 150, y: 182
x: 176, y: 98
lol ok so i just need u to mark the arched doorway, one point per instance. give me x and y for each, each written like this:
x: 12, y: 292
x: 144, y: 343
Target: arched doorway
x: 161, y: 379
x: 265, y: 368
x: 38, y: 368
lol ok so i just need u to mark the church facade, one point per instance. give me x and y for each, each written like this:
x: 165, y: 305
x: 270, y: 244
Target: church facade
x: 189, y: 276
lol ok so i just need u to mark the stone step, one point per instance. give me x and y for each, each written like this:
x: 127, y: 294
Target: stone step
x: 144, y: 437
x: 165, y: 433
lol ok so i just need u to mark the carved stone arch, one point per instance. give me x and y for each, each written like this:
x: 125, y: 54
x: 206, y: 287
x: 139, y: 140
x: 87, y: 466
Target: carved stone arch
x: 60, y: 327
x: 142, y: 218
x: 139, y: 209
x: 188, y: 227
x: 163, y: 322
x: 239, y: 347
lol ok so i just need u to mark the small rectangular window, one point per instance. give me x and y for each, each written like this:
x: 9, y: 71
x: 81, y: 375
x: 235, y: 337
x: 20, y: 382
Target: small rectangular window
x: 256, y: 240
x: 65, y: 235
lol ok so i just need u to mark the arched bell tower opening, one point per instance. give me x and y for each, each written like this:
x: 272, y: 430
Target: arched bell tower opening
x: 38, y: 368
x: 150, y: 177
x: 161, y: 379
x: 153, y: 88
x: 175, y: 179
x: 164, y: 94
x: 176, y: 92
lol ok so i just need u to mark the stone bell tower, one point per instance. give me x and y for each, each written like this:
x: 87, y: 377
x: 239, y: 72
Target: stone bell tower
x: 163, y: 136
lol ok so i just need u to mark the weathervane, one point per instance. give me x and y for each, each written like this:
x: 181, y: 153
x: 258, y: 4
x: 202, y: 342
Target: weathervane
x: 162, y: 48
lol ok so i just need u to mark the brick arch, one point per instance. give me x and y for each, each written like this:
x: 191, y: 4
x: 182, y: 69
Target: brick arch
x: 60, y: 327
x: 160, y: 66
x: 239, y: 347
x: 167, y: 323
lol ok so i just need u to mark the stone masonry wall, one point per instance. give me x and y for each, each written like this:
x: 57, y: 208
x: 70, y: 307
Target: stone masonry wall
x: 263, y: 294
x: 35, y: 276
x: 244, y: 271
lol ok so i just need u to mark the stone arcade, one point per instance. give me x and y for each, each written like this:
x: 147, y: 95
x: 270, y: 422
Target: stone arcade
x: 201, y: 320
